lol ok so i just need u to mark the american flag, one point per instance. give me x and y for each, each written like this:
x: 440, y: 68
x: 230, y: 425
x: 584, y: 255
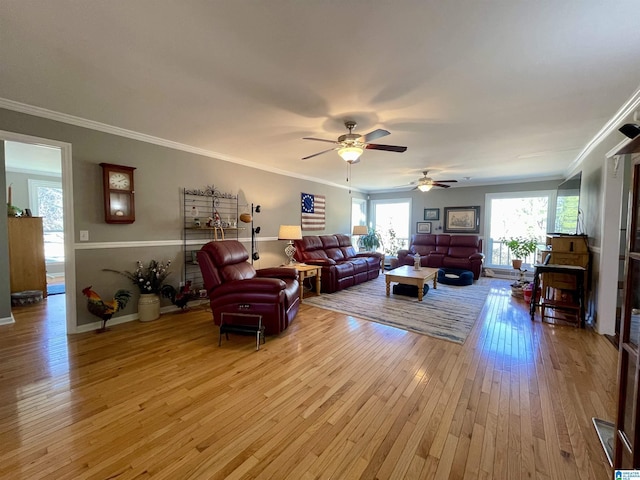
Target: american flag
x: 313, y: 207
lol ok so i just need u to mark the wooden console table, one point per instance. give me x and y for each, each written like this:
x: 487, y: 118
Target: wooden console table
x: 577, y: 307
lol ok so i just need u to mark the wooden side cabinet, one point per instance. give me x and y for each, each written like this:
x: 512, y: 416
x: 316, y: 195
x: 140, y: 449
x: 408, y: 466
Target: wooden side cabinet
x: 27, y: 268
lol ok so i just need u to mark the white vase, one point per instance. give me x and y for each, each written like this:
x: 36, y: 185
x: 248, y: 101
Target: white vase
x: 148, y: 307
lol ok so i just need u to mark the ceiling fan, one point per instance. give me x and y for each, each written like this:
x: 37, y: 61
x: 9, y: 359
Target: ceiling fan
x: 351, y: 145
x: 426, y: 183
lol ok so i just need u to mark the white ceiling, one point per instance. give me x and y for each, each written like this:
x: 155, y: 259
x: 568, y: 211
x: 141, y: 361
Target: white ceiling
x: 495, y: 90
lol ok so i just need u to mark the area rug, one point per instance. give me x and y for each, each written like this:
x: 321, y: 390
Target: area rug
x: 55, y: 289
x: 448, y: 312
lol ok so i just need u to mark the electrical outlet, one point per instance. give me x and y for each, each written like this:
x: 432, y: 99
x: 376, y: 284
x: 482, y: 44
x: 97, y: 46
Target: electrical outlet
x: 84, y: 235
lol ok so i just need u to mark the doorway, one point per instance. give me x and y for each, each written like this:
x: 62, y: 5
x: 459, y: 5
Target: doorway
x: 34, y: 174
x: 38, y: 158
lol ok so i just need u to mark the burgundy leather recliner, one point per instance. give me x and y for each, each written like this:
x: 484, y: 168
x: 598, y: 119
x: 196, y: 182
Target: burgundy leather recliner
x: 463, y: 252
x: 234, y: 286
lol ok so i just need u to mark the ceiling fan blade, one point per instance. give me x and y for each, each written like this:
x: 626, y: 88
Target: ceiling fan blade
x: 387, y: 148
x: 379, y: 133
x: 319, y: 153
x: 443, y: 185
x: 320, y: 140
x: 446, y: 181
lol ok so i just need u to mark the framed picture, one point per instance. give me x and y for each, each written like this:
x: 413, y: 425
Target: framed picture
x: 423, y: 227
x: 432, y: 214
x: 462, y: 219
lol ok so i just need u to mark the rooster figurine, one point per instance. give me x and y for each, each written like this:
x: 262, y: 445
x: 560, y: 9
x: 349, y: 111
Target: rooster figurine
x: 178, y: 297
x: 105, y: 310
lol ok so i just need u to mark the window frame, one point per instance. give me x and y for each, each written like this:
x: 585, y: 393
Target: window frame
x: 489, y: 197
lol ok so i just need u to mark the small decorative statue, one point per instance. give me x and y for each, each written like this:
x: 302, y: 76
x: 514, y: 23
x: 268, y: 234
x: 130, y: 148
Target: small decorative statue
x: 416, y: 262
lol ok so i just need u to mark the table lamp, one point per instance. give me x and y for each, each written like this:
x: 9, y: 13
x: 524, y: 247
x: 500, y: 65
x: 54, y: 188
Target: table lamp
x: 290, y: 233
x: 359, y: 230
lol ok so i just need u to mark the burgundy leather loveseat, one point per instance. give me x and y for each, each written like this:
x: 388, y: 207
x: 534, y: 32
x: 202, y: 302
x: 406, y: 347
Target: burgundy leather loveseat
x: 342, y: 266
x: 234, y: 286
x: 462, y: 252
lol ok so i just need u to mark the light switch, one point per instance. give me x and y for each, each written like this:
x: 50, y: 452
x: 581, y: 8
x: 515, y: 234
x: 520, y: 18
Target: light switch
x: 84, y: 235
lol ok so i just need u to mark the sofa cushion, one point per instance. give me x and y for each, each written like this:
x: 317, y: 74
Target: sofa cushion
x: 463, y: 246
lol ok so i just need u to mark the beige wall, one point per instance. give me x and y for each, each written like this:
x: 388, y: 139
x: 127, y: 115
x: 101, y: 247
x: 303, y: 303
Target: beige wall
x: 459, y: 197
x: 162, y: 172
x: 160, y: 175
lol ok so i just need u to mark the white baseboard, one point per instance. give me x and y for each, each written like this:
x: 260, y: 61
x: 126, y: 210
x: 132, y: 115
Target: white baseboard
x: 90, y: 327
x: 7, y: 320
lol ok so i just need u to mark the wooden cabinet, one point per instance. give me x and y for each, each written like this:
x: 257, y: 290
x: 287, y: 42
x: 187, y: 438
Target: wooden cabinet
x: 562, y: 292
x: 564, y: 250
x: 26, y: 255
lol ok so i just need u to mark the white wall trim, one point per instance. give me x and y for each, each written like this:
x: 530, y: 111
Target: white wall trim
x: 624, y: 111
x: 122, y: 132
x: 7, y: 320
x: 155, y: 243
x: 90, y: 327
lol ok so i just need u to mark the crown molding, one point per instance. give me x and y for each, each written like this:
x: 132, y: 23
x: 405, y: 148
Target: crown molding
x: 623, y: 112
x: 142, y: 137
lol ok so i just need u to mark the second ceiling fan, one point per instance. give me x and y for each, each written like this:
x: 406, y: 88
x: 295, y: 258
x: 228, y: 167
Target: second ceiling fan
x: 351, y: 145
x: 427, y: 183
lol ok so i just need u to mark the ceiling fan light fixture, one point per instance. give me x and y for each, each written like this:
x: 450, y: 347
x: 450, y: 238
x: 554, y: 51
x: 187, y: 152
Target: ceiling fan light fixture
x: 350, y: 154
x: 425, y: 187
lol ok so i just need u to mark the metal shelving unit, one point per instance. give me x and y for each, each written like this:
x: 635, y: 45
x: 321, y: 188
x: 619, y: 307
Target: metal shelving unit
x: 209, y: 215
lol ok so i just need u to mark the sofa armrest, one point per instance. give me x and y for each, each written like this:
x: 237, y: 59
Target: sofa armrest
x: 250, y: 286
x: 277, y: 272
x: 402, y: 253
x: 477, y: 256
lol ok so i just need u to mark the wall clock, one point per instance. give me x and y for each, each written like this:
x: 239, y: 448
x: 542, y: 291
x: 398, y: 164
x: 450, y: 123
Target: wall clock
x: 117, y: 186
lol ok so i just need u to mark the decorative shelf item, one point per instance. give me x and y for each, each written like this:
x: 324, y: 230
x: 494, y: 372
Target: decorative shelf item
x: 209, y: 215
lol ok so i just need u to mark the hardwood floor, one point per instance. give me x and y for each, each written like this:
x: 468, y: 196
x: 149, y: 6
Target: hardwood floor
x: 332, y: 397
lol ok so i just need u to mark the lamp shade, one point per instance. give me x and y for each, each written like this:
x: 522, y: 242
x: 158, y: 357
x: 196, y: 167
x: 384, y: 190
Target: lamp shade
x: 350, y: 154
x: 425, y: 188
x: 290, y: 232
x: 360, y: 230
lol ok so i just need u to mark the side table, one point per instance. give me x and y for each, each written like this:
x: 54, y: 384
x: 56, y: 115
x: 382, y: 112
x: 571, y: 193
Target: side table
x: 544, y: 302
x: 307, y: 271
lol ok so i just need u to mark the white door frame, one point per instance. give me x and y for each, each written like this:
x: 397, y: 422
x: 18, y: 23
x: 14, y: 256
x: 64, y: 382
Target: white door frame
x: 67, y: 203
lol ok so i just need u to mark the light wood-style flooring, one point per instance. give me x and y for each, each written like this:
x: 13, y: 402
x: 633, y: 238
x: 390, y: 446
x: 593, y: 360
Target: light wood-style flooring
x: 332, y: 397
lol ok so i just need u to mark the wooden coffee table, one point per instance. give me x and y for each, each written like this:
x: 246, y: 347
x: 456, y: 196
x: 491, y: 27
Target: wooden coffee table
x: 408, y: 275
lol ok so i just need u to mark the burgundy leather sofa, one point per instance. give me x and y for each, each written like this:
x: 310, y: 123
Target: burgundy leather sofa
x: 234, y: 286
x: 463, y: 252
x: 342, y: 266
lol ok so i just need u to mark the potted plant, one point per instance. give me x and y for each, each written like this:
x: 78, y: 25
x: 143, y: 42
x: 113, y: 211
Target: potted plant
x: 149, y: 280
x: 371, y: 241
x: 520, y: 248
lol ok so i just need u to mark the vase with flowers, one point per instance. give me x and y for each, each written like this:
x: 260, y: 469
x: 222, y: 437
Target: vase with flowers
x: 149, y: 280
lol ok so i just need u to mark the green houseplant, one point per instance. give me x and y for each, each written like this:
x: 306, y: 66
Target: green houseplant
x: 371, y: 241
x: 520, y: 248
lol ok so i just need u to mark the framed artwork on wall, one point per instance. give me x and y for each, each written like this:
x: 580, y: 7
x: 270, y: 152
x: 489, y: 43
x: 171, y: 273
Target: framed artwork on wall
x: 423, y: 227
x: 462, y: 219
x: 432, y: 214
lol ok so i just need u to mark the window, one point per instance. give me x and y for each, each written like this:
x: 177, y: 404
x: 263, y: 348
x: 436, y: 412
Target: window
x: 515, y: 214
x: 391, y: 219
x: 45, y: 200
